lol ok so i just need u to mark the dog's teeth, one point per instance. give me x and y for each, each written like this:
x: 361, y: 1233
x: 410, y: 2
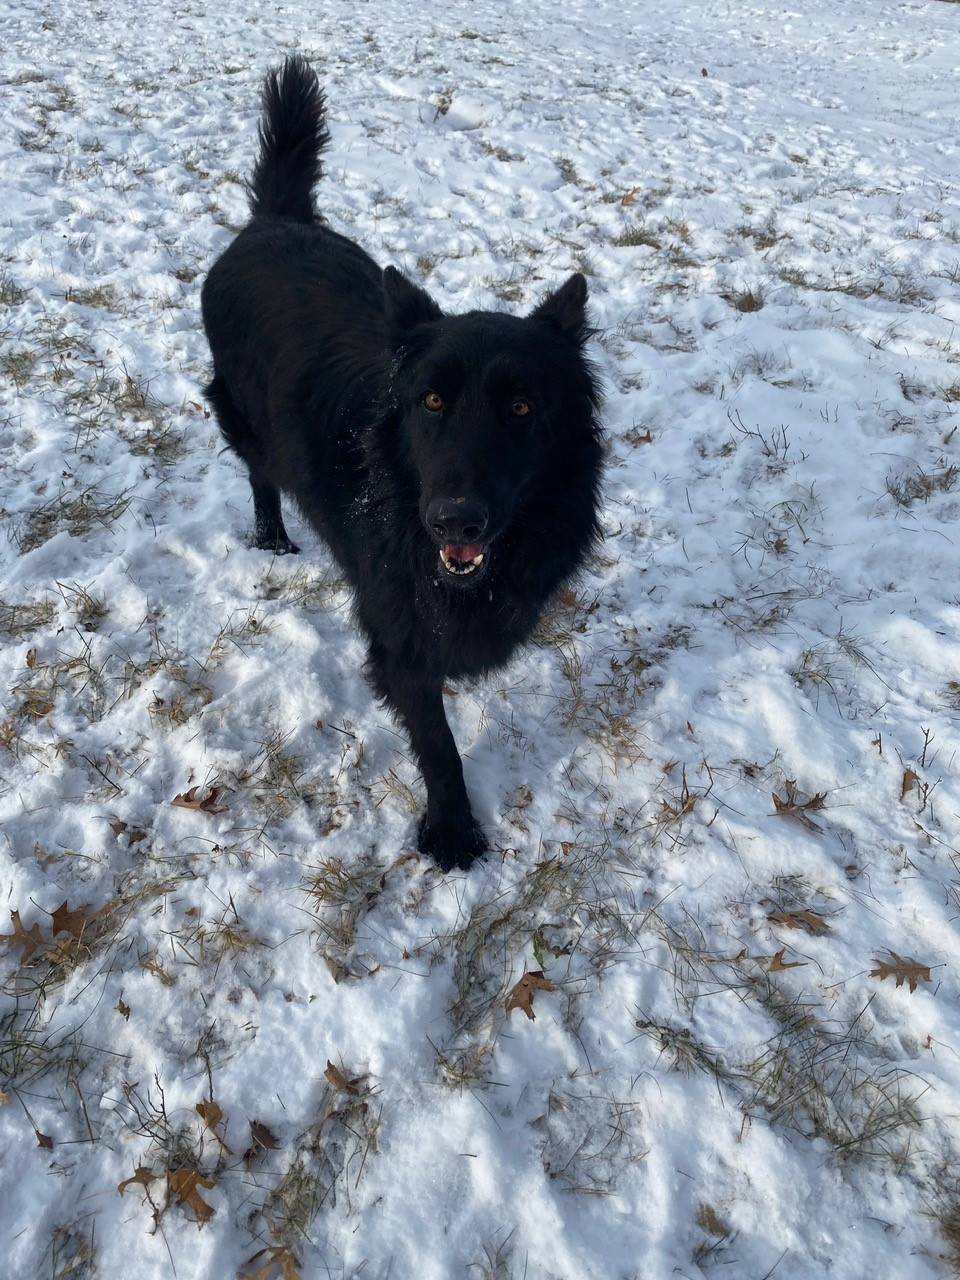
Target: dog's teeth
x: 460, y: 566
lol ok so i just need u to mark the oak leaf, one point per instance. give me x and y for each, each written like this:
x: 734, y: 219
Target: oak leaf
x: 794, y: 807
x: 205, y: 804
x: 44, y: 1140
x: 263, y: 1137
x: 261, y: 1140
x: 778, y: 964
x: 143, y: 1176
x: 521, y: 996
x: 910, y: 780
x: 30, y: 939
x: 802, y: 919
x: 184, y: 1184
x: 902, y: 968
x: 277, y: 1256
x: 211, y: 1113
x: 134, y: 834
x: 75, y: 922
x: 339, y: 1080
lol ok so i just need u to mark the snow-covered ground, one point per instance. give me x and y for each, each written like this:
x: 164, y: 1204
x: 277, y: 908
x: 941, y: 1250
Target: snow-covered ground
x: 720, y: 790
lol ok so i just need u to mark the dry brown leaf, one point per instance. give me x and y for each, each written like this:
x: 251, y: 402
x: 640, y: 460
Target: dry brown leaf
x: 629, y: 197
x: 338, y: 1079
x: 30, y: 939
x: 134, y: 834
x: 277, y: 1256
x: 793, y: 807
x: 211, y: 1113
x: 74, y: 922
x: 910, y: 780
x: 205, y: 804
x: 902, y: 968
x: 261, y: 1140
x: 684, y: 805
x: 36, y: 710
x: 263, y: 1137
x: 803, y: 919
x: 183, y: 1185
x: 44, y: 1140
x: 521, y: 996
x: 778, y: 964
x: 123, y: 1009
x: 4, y: 1097
x: 143, y: 1177
x: 708, y: 1221
x: 523, y: 797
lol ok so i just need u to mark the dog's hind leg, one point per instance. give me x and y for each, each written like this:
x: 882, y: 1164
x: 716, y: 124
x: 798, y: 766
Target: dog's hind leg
x: 449, y: 833
x: 269, y: 533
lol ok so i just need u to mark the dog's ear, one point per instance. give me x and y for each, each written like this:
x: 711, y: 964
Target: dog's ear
x: 404, y: 304
x: 565, y: 310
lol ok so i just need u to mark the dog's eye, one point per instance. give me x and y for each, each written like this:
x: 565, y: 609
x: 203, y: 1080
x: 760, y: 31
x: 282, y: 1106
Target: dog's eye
x: 519, y: 408
x: 432, y: 402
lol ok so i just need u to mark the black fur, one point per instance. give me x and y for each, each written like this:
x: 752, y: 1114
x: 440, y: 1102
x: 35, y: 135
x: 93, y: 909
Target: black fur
x: 328, y: 373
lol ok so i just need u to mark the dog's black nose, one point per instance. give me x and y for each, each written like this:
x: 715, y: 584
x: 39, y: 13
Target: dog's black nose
x: 458, y: 521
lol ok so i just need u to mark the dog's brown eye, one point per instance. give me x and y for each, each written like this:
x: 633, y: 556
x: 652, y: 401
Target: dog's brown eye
x: 432, y: 402
x: 519, y: 408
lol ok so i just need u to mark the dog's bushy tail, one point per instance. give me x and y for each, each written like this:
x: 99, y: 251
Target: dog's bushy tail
x: 293, y: 136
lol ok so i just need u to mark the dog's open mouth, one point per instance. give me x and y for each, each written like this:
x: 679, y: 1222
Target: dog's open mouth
x: 461, y: 561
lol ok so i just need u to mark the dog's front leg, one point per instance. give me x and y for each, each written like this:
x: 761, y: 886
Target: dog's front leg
x: 449, y: 833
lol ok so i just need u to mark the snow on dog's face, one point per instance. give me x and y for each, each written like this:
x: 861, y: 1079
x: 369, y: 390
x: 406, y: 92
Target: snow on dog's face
x: 479, y: 398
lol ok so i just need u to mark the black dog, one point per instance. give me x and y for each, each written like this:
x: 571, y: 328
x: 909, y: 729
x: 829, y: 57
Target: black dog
x: 451, y: 463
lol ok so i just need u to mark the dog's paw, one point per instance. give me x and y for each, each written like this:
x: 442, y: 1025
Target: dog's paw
x: 452, y: 844
x: 278, y: 546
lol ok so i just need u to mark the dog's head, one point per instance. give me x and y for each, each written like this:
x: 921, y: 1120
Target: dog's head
x: 489, y: 406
